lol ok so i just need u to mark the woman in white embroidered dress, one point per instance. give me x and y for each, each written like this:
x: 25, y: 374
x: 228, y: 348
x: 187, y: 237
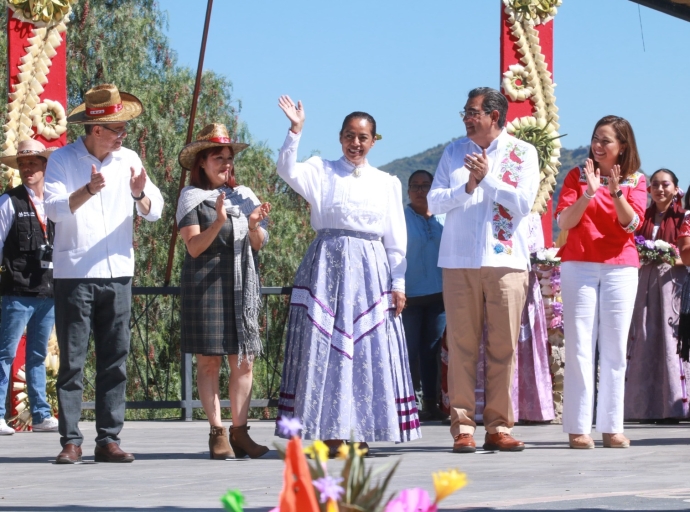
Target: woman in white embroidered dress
x: 346, y: 373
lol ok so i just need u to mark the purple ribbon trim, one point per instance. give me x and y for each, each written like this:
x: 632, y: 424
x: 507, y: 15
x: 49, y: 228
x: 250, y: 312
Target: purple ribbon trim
x: 326, y: 308
x: 372, y: 307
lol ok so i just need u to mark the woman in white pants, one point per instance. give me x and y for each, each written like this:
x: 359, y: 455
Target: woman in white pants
x: 600, y: 205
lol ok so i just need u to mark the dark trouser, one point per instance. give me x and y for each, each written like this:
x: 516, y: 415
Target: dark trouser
x: 104, y: 306
x: 424, y: 324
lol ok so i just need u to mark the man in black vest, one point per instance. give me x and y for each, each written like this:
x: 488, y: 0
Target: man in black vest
x: 26, y: 281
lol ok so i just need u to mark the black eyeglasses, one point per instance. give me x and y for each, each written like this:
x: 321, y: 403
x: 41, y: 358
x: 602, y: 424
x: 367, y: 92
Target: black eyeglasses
x: 420, y: 188
x: 118, y: 133
x: 472, y: 114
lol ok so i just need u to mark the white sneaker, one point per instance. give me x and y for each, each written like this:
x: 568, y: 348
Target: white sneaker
x: 50, y: 424
x: 5, y: 429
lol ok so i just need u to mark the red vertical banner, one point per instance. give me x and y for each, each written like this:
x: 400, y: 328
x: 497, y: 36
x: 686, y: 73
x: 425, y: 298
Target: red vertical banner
x: 37, y: 83
x: 515, y: 41
x: 36, y: 107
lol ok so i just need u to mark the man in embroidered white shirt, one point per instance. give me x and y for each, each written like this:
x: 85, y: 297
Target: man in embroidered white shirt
x: 486, y: 184
x: 92, y: 187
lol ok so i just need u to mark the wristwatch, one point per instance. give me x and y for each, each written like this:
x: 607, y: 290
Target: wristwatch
x: 140, y: 197
x: 618, y: 193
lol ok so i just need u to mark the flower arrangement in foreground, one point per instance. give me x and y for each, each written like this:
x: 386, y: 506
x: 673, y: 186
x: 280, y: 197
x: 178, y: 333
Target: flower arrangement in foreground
x: 309, y: 488
x: 656, y: 252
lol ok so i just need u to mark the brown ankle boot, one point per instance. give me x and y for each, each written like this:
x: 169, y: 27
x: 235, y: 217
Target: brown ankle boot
x: 244, y: 445
x: 218, y: 444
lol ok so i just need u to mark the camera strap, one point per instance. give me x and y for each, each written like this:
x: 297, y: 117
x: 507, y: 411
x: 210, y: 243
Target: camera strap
x: 44, y: 230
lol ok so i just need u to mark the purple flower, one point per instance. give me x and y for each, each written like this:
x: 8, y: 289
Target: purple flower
x: 649, y: 244
x: 639, y: 240
x: 329, y: 488
x: 557, y: 308
x: 289, y: 427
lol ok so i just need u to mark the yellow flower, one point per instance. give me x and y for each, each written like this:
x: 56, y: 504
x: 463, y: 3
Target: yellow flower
x: 361, y: 452
x: 343, y: 451
x: 447, y: 482
x: 318, y: 450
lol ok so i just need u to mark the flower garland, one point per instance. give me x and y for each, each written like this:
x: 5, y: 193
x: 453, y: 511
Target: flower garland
x: 41, y: 13
x: 517, y: 91
x: 32, y: 77
x: 522, y: 17
x: 49, y: 119
x: 537, y: 12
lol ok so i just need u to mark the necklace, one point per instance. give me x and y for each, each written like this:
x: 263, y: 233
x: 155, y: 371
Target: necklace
x: 356, y: 169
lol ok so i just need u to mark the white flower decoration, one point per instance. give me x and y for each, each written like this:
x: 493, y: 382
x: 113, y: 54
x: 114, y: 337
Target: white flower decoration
x: 515, y: 83
x: 49, y: 119
x: 660, y: 244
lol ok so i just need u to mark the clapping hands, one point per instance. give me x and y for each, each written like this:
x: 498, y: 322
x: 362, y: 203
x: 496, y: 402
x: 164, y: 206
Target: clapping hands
x: 259, y: 214
x: 593, y: 177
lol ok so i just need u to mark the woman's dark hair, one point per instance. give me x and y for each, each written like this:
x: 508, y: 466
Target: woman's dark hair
x: 198, y: 178
x: 420, y: 171
x: 359, y: 115
x: 629, y: 159
x: 492, y: 100
x: 686, y: 200
x: 674, y: 178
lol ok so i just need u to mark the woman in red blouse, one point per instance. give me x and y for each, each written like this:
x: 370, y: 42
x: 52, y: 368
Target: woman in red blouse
x: 601, y: 205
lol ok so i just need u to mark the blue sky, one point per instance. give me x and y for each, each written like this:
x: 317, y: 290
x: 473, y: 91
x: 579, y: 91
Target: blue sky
x: 411, y: 68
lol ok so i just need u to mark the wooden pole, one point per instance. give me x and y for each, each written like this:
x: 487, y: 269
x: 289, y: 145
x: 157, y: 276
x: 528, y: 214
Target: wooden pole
x: 190, y: 134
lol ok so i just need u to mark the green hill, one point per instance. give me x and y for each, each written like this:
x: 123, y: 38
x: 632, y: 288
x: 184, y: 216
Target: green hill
x: 428, y: 160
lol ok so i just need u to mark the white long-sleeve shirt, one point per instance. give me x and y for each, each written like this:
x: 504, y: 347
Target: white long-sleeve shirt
x: 370, y: 203
x: 487, y: 228
x: 7, y: 215
x: 96, y: 240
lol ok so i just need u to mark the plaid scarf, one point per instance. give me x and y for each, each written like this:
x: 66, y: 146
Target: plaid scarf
x: 247, y: 282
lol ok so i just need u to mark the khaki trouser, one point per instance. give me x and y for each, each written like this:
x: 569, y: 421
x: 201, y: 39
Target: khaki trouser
x: 466, y: 292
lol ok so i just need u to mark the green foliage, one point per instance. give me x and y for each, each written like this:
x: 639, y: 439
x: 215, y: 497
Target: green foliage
x: 123, y: 42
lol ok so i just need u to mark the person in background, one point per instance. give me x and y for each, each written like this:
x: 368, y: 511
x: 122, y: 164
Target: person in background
x: 601, y: 205
x: 655, y: 379
x: 424, y: 317
x: 26, y: 282
x: 223, y: 226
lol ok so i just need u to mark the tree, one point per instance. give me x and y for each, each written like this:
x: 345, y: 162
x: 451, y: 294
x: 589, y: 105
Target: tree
x: 123, y: 42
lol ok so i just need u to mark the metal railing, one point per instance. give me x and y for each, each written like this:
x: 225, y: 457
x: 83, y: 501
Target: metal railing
x: 159, y: 377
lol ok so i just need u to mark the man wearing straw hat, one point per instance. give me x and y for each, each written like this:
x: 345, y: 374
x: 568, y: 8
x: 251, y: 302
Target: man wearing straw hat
x: 92, y: 187
x: 26, y: 282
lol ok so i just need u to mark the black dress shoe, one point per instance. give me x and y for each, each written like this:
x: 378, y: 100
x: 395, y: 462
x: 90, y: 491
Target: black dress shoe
x: 70, y: 454
x: 111, y: 452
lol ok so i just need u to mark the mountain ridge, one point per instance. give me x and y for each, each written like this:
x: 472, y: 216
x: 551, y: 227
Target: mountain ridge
x: 428, y: 160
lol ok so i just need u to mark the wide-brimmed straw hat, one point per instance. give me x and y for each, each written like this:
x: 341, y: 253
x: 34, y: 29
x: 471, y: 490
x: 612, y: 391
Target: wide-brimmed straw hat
x: 212, y: 135
x: 105, y: 104
x: 28, y: 147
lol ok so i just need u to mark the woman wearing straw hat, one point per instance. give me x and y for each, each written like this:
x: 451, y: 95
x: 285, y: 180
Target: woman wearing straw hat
x: 223, y: 226
x: 346, y: 373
